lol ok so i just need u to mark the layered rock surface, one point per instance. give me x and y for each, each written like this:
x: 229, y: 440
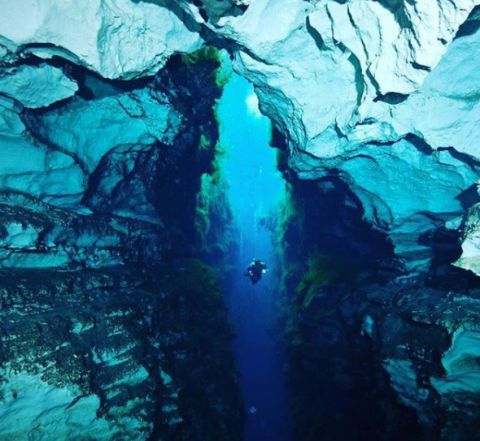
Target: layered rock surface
x: 371, y: 82
x: 118, y: 39
x: 377, y: 104
x: 117, y: 354
x: 382, y: 94
x: 101, y: 181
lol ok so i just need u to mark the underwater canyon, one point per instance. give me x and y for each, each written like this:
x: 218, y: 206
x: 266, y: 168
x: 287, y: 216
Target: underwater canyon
x: 151, y: 149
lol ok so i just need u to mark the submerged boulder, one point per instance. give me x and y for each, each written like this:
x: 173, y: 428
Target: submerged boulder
x: 470, y: 258
x: 36, y: 86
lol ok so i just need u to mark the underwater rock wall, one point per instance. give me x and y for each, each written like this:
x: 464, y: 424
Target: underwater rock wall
x: 114, y: 167
x: 375, y: 86
x: 110, y: 328
x: 116, y: 355
x: 381, y: 94
x: 358, y: 329
x: 105, y: 133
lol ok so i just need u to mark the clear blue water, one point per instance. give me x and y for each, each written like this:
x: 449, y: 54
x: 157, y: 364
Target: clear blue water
x: 255, y: 191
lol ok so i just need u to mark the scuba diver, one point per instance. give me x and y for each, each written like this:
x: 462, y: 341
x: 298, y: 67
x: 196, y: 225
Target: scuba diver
x: 256, y: 270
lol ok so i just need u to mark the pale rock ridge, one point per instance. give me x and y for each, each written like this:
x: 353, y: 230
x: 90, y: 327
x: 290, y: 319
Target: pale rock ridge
x: 461, y: 365
x: 396, y: 49
x: 430, y: 351
x: 470, y: 258
x: 343, y: 64
x: 35, y: 86
x: 30, y: 167
x: 116, y: 38
x: 44, y: 411
x: 87, y: 130
x: 54, y: 160
x: 444, y: 110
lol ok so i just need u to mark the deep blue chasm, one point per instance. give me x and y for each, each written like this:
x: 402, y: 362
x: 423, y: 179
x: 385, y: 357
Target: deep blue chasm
x: 255, y: 190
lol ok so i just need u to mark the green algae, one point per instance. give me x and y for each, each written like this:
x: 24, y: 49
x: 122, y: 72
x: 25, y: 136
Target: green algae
x: 213, y: 218
x: 322, y: 270
x: 222, y: 72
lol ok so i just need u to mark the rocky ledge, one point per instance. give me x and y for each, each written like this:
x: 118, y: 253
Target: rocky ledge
x: 116, y: 355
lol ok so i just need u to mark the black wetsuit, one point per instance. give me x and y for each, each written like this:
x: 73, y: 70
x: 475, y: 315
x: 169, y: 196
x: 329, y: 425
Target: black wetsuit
x: 256, y: 270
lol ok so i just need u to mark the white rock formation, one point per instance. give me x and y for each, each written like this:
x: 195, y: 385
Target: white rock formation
x: 36, y: 86
x: 470, y: 258
x: 31, y: 168
x: 366, y: 90
x: 117, y: 38
x: 461, y: 365
x: 361, y: 89
x: 42, y: 411
x: 87, y: 130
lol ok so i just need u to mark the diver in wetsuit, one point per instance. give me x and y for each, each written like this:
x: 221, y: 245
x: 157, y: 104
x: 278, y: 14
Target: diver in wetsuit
x: 256, y: 270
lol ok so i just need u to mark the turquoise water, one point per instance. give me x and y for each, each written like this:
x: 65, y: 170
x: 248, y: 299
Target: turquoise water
x: 255, y: 189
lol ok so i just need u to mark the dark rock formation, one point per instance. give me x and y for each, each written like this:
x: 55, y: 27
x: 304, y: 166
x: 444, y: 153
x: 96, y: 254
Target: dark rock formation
x: 116, y: 354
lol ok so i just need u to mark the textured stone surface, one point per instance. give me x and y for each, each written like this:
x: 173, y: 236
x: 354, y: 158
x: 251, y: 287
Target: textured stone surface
x: 36, y: 86
x: 108, y: 355
x: 116, y: 38
x: 470, y: 258
x: 366, y: 79
x: 377, y: 105
x: 387, y: 83
x: 96, y: 190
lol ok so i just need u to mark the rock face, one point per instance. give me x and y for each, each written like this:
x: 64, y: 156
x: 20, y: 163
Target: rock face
x: 386, y: 82
x: 470, y: 258
x: 105, y: 133
x: 106, y: 355
x: 389, y: 83
x: 36, y: 86
x: 110, y: 330
x: 117, y: 39
x: 73, y: 174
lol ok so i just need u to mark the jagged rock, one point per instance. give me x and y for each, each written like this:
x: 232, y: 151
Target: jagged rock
x: 88, y: 130
x: 447, y: 101
x: 396, y: 44
x: 35, y: 235
x: 377, y: 102
x: 423, y: 193
x: 56, y: 156
x: 43, y: 411
x: 405, y: 382
x: 30, y: 168
x: 36, y: 86
x: 116, y: 355
x: 375, y: 75
x: 213, y: 10
x: 342, y: 101
x: 461, y: 365
x: 470, y: 258
x: 369, y: 85
x: 117, y: 38
x: 430, y: 345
